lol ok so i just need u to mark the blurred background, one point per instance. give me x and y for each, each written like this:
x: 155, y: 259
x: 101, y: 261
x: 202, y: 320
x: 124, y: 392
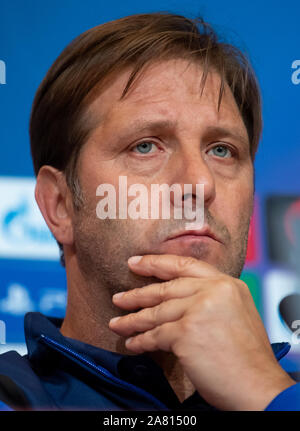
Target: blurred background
x: 33, y: 33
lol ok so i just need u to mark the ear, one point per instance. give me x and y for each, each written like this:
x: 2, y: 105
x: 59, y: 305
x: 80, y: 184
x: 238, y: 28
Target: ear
x: 54, y: 199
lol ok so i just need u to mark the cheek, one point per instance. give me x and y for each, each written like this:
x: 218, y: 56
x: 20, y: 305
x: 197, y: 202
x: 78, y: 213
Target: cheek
x: 93, y: 172
x: 236, y: 204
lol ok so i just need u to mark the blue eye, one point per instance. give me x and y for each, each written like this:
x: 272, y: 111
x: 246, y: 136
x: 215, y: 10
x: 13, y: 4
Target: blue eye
x: 221, y: 151
x: 144, y: 147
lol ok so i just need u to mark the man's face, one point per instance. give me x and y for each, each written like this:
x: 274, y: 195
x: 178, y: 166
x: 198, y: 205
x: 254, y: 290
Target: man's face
x: 164, y: 131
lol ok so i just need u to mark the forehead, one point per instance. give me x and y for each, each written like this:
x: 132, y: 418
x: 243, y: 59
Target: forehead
x: 171, y: 90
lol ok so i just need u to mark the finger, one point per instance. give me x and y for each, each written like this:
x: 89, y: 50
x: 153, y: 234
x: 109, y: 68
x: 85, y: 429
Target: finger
x: 148, y: 318
x: 169, y: 266
x: 160, y: 338
x: 154, y: 294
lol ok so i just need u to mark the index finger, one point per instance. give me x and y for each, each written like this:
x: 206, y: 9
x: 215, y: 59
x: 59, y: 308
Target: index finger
x: 170, y: 266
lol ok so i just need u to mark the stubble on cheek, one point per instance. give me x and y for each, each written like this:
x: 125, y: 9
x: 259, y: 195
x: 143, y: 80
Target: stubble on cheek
x: 103, y: 248
x: 237, y: 253
x: 237, y: 249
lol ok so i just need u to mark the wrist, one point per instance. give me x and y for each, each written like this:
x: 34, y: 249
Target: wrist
x: 259, y: 395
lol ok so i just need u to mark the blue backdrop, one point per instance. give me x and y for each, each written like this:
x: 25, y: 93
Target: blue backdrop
x: 33, y: 33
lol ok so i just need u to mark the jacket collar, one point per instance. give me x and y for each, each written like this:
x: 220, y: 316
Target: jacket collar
x: 37, y: 325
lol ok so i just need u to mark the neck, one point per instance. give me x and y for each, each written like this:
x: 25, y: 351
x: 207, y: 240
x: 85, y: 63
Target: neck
x: 173, y: 370
x: 89, y: 310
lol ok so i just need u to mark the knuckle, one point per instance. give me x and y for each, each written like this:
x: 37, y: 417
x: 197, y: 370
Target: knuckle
x: 149, y: 315
x: 144, y: 315
x: 230, y: 289
x: 185, y: 262
x: 208, y: 304
x: 163, y: 290
x: 156, y: 332
x: 151, y: 260
x: 135, y: 293
x: 187, y: 324
x: 155, y: 312
x: 131, y: 319
x: 226, y: 286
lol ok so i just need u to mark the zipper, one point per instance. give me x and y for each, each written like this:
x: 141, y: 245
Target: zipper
x: 120, y: 383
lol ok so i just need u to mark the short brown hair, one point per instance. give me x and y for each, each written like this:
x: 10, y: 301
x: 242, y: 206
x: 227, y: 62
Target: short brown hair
x: 58, y: 127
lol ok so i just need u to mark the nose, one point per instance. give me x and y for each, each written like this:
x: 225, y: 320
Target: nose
x: 192, y: 168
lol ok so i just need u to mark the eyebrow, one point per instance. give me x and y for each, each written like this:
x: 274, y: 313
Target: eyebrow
x: 229, y: 132
x: 141, y: 126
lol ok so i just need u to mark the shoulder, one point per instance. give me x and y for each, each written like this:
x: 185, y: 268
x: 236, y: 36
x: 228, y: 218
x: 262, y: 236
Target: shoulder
x: 20, y: 386
x: 12, y: 366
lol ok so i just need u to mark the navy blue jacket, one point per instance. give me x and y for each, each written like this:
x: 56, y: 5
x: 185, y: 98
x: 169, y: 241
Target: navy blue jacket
x: 60, y: 373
